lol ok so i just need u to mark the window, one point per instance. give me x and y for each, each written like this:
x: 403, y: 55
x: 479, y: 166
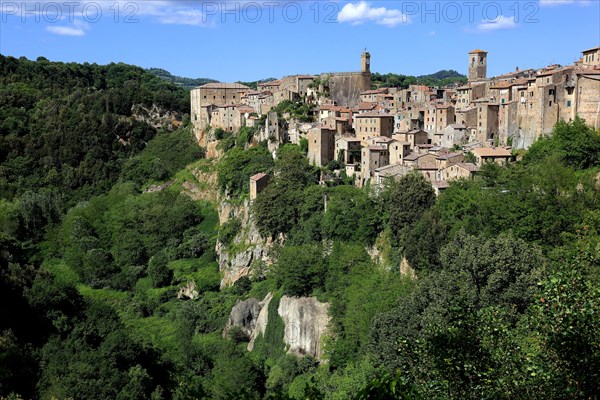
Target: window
x: 568, y: 103
x: 550, y: 103
x: 530, y: 105
x: 547, y: 80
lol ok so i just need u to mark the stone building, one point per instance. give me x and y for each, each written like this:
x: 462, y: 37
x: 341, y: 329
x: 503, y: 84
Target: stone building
x: 457, y: 171
x: 444, y: 116
x: 477, y: 65
x: 321, y: 145
x: 257, y: 184
x: 590, y: 58
x: 498, y: 155
x: 373, y: 124
x: 205, y: 98
x: 347, y: 148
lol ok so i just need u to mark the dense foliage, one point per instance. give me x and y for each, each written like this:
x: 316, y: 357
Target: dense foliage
x: 440, y: 78
x: 70, y: 126
x: 187, y: 83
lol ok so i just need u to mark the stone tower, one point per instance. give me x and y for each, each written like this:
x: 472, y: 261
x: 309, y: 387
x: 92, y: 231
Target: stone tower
x: 477, y: 65
x: 366, y: 62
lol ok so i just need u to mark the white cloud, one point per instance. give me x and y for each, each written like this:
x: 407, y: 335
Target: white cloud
x: 77, y: 28
x: 552, y: 3
x: 499, y: 23
x: 358, y: 13
x: 432, y: 33
x: 65, y: 30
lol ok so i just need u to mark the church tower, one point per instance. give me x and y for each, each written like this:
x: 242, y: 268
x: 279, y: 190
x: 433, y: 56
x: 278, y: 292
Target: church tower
x: 366, y: 62
x: 477, y: 65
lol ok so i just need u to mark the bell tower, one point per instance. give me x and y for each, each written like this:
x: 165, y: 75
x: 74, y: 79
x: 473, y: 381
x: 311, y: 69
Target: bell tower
x: 365, y: 62
x: 477, y: 65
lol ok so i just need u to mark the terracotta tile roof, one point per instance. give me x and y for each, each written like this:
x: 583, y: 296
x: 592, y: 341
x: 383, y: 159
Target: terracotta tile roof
x: 448, y: 156
x: 477, y: 51
x: 592, y: 49
x: 374, y: 115
x: 375, y: 91
x: 270, y: 83
x: 501, y: 85
x: 350, y: 139
x: 491, y: 152
x: 440, y: 184
x: 257, y: 176
x: 366, y: 105
x: 468, y: 166
x: 377, y: 148
x: 413, y: 156
x: 588, y: 71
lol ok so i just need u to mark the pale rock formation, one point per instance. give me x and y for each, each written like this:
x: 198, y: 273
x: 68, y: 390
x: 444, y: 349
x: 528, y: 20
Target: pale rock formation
x: 306, y: 321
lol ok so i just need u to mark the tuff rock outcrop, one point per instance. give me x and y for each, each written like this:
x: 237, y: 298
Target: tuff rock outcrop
x: 249, y: 246
x: 305, y: 322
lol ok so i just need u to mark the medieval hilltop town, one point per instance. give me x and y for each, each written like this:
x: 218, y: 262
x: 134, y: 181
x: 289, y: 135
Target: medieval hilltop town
x: 445, y: 133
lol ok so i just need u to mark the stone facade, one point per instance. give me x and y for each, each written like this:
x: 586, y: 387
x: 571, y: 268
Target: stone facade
x: 204, y: 100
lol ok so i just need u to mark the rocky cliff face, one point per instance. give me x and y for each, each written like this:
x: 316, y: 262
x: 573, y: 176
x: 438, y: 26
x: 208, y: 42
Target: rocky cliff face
x: 156, y: 117
x: 248, y: 246
x: 305, y: 322
x: 244, y: 316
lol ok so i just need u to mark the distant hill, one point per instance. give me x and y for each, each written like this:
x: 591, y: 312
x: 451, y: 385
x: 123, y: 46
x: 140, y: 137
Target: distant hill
x: 443, y: 74
x: 186, y: 83
x: 190, y: 83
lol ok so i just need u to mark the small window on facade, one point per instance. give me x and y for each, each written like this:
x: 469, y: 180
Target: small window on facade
x: 568, y: 103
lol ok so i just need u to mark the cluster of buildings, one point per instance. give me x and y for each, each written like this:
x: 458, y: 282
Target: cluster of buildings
x: 390, y: 131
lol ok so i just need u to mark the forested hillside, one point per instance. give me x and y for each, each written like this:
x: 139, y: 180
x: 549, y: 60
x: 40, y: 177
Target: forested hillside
x: 440, y: 78
x: 110, y: 285
x: 69, y: 127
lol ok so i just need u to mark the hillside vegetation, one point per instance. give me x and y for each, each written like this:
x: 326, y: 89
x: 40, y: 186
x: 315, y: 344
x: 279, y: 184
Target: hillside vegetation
x: 110, y: 289
x: 440, y: 78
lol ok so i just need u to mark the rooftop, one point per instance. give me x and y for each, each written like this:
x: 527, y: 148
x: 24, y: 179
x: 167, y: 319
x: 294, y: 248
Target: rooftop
x: 468, y: 166
x: 223, y: 85
x: 448, y: 156
x: 257, y: 176
x: 491, y: 152
x: 592, y: 49
x: 374, y: 115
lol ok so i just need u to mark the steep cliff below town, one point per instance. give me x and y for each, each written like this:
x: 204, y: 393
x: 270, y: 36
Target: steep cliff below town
x: 242, y: 248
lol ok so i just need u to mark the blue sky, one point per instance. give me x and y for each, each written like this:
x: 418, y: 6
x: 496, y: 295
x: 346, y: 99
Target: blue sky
x: 248, y: 40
